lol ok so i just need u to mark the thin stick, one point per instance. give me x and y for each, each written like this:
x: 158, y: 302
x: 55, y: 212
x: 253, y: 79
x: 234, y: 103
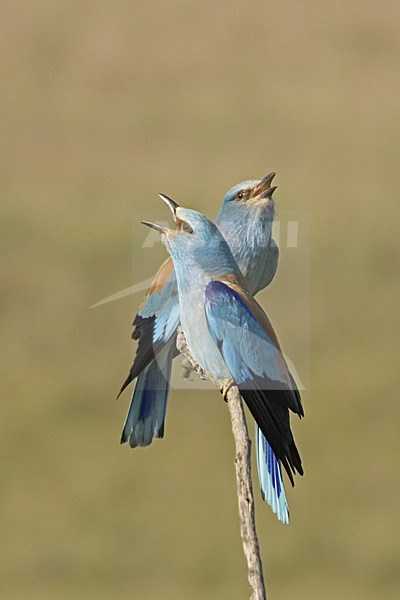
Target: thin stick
x: 243, y: 476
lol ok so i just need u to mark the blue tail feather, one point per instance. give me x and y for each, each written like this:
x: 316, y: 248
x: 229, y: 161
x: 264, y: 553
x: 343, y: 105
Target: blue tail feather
x: 146, y: 413
x: 270, y: 478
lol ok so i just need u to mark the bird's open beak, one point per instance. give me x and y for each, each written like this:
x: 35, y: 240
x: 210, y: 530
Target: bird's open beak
x: 171, y: 204
x: 159, y: 228
x: 263, y: 189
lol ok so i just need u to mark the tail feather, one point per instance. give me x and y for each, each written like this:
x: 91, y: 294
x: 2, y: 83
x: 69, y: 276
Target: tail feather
x: 270, y: 478
x: 146, y: 413
x: 273, y: 419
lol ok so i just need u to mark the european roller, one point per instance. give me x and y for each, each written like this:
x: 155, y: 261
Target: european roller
x: 229, y: 335
x: 245, y: 219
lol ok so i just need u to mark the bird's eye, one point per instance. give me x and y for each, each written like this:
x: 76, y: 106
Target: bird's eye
x: 240, y: 195
x: 186, y: 227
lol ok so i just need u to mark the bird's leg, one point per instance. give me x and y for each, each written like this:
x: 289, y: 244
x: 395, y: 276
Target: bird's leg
x: 224, y: 389
x: 201, y: 373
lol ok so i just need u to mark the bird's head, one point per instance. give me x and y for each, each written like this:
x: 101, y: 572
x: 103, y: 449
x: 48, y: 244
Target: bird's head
x: 191, y: 227
x: 251, y: 193
x: 195, y: 238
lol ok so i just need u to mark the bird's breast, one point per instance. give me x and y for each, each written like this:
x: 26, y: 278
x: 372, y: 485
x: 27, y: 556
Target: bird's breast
x: 200, y: 343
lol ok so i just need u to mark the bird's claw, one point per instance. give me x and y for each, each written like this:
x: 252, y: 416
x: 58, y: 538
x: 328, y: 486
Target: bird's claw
x: 202, y: 373
x: 225, y: 388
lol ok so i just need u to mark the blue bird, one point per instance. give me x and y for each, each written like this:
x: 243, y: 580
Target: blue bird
x: 229, y: 335
x: 245, y: 220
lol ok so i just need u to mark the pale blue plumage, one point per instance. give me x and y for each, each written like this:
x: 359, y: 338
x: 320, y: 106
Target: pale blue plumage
x: 243, y: 343
x: 270, y: 477
x: 162, y: 300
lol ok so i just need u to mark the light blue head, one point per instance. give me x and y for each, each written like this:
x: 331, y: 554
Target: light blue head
x: 196, y: 245
x: 253, y: 196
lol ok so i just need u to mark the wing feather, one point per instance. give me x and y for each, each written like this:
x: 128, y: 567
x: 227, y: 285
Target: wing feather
x: 249, y: 346
x: 157, y: 320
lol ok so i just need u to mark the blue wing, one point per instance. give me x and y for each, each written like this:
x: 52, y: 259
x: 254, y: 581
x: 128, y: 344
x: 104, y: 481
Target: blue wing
x: 156, y: 322
x: 252, y: 354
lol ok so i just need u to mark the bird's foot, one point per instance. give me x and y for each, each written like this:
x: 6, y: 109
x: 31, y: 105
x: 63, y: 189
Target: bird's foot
x: 201, y: 373
x: 228, y: 383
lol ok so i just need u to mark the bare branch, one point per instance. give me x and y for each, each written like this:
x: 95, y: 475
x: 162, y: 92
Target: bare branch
x: 243, y: 474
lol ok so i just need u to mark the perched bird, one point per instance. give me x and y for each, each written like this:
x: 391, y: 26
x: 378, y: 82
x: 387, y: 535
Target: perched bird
x: 229, y: 335
x: 245, y: 220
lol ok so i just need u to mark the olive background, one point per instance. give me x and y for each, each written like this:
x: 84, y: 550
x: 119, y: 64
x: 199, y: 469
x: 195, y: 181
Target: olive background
x: 104, y: 104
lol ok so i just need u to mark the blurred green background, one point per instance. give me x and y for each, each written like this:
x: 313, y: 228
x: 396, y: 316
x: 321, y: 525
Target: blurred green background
x: 102, y: 105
